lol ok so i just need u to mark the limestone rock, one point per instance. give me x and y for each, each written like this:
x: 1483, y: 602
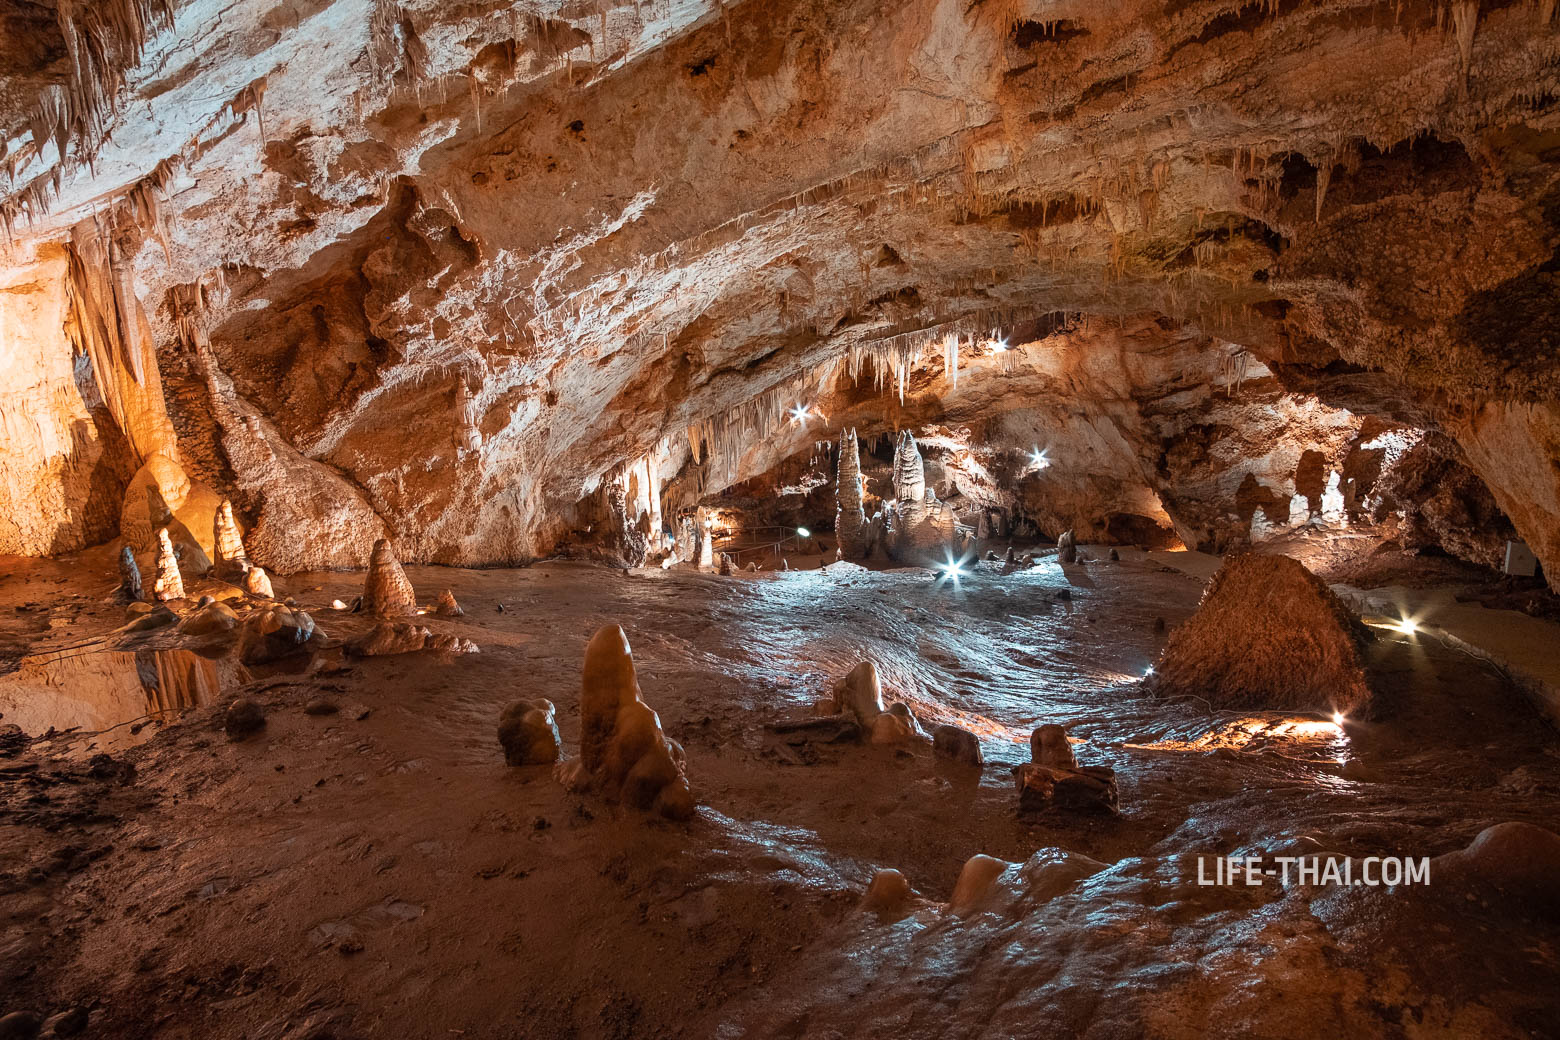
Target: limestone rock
x: 958, y: 744
x: 623, y: 751
x: 161, y: 495
x: 257, y: 583
x: 1516, y: 863
x: 388, y: 638
x: 276, y: 632
x: 976, y: 878
x: 725, y: 564
x: 860, y: 693
x: 210, y: 619
x: 528, y: 731
x: 445, y: 605
x: 1268, y: 634
x: 387, y: 592
x: 243, y: 719
x: 850, y: 521
x: 1054, y: 779
x: 447, y: 643
x: 169, y: 584
x: 1067, y: 547
x: 129, y: 576
x: 909, y: 474
x: 890, y: 896
x: 1087, y: 789
x: 230, y: 558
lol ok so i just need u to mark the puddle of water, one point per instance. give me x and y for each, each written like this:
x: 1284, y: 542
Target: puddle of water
x: 93, y: 687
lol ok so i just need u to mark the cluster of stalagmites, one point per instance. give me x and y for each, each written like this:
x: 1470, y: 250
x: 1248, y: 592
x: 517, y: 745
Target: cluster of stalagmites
x: 912, y: 528
x: 278, y: 630
x: 624, y: 753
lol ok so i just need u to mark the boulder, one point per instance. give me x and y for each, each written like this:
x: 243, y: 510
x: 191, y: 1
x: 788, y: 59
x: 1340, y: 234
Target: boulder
x: 243, y: 719
x: 528, y: 731
x: 210, y: 619
x: 1049, y: 746
x: 1269, y: 634
x: 276, y: 632
x: 958, y: 744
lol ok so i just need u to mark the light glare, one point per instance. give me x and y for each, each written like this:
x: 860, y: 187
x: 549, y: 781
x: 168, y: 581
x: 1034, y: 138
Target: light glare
x: 804, y: 532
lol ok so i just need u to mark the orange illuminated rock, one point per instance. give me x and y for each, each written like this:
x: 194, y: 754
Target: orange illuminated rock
x: 387, y: 592
x: 258, y: 583
x: 229, y: 556
x: 623, y: 751
x: 1054, y: 779
x: 169, y: 584
x: 446, y: 606
x: 528, y: 731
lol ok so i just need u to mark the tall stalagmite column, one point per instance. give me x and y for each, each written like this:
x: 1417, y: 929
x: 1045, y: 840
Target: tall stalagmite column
x: 909, y: 479
x: 850, y: 521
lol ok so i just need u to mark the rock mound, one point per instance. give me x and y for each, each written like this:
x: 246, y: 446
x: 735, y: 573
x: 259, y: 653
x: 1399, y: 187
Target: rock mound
x: 1269, y: 634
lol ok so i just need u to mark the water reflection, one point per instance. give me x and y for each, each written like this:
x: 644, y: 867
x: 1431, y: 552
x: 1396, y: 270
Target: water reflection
x: 93, y: 687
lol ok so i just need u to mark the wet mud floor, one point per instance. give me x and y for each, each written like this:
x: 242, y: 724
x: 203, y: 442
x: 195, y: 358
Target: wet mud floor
x: 379, y: 871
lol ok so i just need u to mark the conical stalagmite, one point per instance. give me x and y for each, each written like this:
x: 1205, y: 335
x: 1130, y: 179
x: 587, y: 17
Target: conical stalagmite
x: 445, y: 605
x: 258, y: 583
x: 725, y: 564
x: 387, y: 592
x: 909, y: 472
x: 850, y: 521
x: 706, y: 541
x: 169, y: 584
x: 129, y: 575
x: 466, y: 408
x: 228, y: 545
x: 623, y: 750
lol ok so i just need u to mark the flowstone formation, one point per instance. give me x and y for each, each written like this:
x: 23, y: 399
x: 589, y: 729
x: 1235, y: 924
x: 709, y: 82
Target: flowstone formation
x: 623, y: 752
x: 386, y: 590
x: 1268, y: 634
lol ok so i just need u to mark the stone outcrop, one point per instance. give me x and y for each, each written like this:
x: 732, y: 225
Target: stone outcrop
x: 386, y: 591
x: 623, y: 752
x: 1268, y: 634
x: 528, y: 732
x: 1053, y: 779
x: 169, y: 583
x: 276, y: 632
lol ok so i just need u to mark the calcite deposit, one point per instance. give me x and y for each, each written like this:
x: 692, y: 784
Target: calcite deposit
x: 386, y: 591
x: 1269, y: 634
x: 623, y: 752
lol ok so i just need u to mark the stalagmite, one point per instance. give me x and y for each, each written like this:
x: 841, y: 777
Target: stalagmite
x: 129, y: 576
x: 466, y: 410
x: 725, y: 563
x: 623, y: 751
x: 528, y: 732
x: 1067, y: 547
x: 445, y: 605
x: 909, y: 472
x: 387, y: 592
x: 230, y: 557
x: 706, y: 540
x: 169, y: 584
x: 850, y: 521
x: 258, y: 583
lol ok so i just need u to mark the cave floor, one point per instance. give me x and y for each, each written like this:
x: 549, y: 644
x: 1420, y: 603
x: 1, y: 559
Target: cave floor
x: 381, y: 872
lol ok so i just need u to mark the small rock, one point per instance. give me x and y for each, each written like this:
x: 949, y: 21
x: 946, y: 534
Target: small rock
x: 528, y: 731
x: 20, y: 1025
x: 243, y: 719
x: 321, y: 706
x: 959, y: 744
x: 67, y: 1023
